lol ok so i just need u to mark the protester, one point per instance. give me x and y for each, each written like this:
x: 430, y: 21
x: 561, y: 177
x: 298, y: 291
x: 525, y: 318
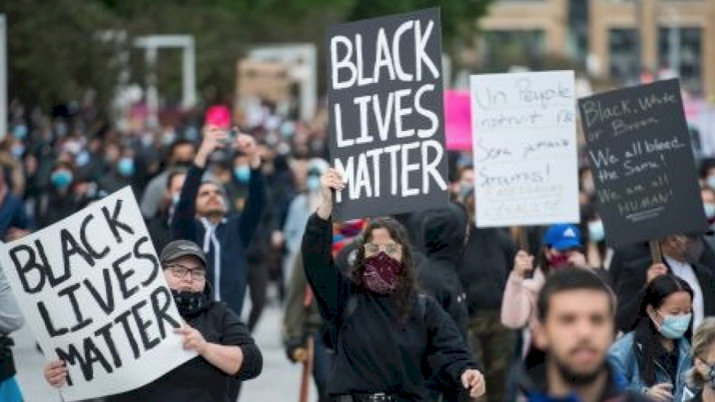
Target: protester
x: 302, y: 207
x: 301, y: 321
x: 702, y: 375
x: 562, y: 249
x: 386, y: 337
x: 60, y: 200
x: 180, y: 154
x: 159, y: 227
x: 11, y: 320
x: 224, y: 346
x: 680, y: 256
x: 487, y: 262
x: 575, y: 327
x: 224, y: 238
x: 14, y: 222
x: 656, y: 356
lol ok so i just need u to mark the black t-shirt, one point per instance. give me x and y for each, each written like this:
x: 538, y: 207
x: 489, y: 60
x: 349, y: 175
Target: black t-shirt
x: 198, y: 380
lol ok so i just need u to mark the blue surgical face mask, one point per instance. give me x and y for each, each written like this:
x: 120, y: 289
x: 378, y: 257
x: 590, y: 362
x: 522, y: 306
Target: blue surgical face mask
x: 596, y: 232
x: 125, y: 166
x: 242, y: 173
x: 675, y: 326
x: 709, y: 210
x: 61, y: 129
x: 61, y: 179
x: 175, y: 198
x: 313, y: 183
x: 18, y: 150
x: 711, y: 182
x: 20, y: 131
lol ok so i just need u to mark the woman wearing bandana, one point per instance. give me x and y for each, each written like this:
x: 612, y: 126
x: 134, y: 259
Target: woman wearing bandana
x: 224, y: 346
x: 387, y: 338
x: 702, y: 376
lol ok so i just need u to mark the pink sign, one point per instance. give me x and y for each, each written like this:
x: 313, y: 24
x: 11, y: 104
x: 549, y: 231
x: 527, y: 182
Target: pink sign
x: 458, y: 120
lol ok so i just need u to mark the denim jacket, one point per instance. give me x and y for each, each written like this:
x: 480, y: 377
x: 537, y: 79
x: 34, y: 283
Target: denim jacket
x: 623, y: 356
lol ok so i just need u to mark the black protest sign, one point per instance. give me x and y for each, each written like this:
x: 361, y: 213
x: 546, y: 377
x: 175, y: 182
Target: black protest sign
x: 386, y: 114
x: 642, y: 161
x: 92, y: 290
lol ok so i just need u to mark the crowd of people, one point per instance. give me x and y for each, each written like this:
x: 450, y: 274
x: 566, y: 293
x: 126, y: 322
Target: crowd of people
x: 415, y: 307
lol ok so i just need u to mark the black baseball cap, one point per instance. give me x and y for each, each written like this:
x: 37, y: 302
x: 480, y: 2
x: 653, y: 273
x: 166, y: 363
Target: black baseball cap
x: 182, y: 248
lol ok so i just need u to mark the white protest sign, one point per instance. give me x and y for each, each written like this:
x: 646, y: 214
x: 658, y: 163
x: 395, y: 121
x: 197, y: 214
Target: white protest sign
x: 525, y: 149
x: 94, y: 294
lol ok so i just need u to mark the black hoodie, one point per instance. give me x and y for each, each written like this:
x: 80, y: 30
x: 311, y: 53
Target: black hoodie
x: 443, y: 234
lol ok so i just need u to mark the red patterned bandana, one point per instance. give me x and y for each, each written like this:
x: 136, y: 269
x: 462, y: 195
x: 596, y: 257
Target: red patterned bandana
x: 382, y: 273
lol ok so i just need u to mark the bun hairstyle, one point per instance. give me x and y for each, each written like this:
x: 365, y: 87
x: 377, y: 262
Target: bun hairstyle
x: 703, y: 342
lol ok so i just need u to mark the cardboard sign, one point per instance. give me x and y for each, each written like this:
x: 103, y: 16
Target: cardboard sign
x: 643, y: 167
x: 93, y: 292
x: 525, y: 148
x: 458, y: 120
x: 386, y: 114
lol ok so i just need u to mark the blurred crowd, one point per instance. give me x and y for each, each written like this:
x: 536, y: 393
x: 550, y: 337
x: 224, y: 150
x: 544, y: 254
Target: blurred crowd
x: 487, y: 280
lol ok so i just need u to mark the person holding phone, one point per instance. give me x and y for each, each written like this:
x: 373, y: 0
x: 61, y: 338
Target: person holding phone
x: 387, y: 338
x: 655, y: 358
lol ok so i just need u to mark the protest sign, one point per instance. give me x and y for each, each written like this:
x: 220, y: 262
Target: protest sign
x: 387, y: 113
x: 458, y: 120
x: 525, y: 150
x: 93, y: 292
x: 642, y: 161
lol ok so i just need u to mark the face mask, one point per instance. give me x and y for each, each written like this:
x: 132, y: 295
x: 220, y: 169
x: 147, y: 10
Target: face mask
x: 189, y: 303
x: 125, y: 166
x: 596, y: 232
x: 82, y: 159
x: 242, y: 173
x: 61, y: 179
x: 183, y: 164
x: 709, y: 210
x: 61, y: 129
x: 711, y: 376
x: 465, y: 189
x: 693, y: 250
x: 18, y: 150
x: 382, y: 273
x: 175, y: 198
x: 20, y: 132
x: 191, y: 134
x: 674, y: 326
x: 559, y: 261
x: 313, y: 183
x: 711, y: 182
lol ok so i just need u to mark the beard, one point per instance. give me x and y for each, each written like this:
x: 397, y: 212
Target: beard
x: 577, y: 379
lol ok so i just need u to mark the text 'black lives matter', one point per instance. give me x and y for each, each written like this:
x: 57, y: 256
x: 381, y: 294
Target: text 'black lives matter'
x: 641, y: 156
x: 386, y: 114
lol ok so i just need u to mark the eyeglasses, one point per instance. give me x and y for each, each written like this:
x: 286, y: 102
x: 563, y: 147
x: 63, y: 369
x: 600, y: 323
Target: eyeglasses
x: 180, y: 272
x: 392, y: 249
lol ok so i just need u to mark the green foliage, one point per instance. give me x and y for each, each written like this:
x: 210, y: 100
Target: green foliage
x: 55, y: 54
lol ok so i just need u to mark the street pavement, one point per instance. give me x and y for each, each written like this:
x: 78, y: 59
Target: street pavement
x: 279, y: 381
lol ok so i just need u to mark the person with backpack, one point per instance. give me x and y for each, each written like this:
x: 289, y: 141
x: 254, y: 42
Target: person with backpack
x: 387, y: 338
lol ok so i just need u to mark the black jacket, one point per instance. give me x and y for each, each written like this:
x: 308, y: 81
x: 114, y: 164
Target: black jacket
x: 630, y: 290
x: 52, y: 207
x: 486, y: 264
x: 374, y: 351
x: 531, y: 384
x: 198, y: 380
x: 234, y: 234
x: 444, y: 234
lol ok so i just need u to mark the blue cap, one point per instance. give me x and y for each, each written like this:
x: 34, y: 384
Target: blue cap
x: 563, y: 237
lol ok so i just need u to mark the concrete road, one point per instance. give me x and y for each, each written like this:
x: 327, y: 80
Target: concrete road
x: 279, y: 381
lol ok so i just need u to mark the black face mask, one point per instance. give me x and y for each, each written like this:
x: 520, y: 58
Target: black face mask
x: 189, y: 303
x: 183, y: 164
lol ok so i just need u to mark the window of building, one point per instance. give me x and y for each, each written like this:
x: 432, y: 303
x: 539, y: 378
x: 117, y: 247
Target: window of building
x: 502, y: 49
x: 683, y: 46
x: 624, y: 60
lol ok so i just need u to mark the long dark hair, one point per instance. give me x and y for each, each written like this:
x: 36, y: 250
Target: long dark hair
x: 406, y: 292
x: 647, y: 333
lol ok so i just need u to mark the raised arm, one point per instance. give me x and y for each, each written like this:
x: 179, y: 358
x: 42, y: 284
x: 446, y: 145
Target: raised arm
x: 519, y: 300
x: 251, y: 216
x: 331, y: 288
x: 183, y: 223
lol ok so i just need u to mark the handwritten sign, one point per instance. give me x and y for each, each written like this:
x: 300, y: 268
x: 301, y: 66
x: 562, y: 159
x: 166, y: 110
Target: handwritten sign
x: 93, y: 292
x: 642, y: 161
x: 386, y: 114
x: 525, y: 151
